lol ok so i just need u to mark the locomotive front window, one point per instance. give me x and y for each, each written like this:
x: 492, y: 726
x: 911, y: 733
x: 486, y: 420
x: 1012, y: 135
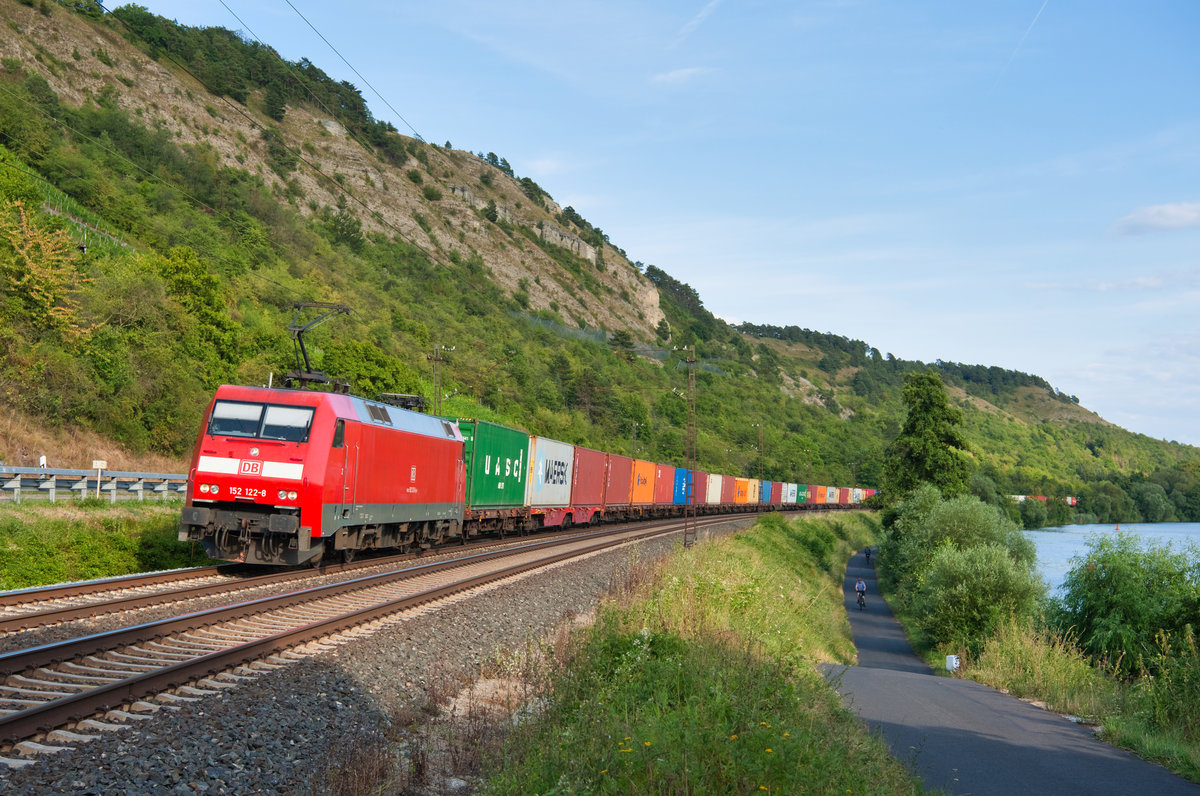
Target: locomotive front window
x: 288, y: 423
x: 235, y: 419
x: 265, y: 421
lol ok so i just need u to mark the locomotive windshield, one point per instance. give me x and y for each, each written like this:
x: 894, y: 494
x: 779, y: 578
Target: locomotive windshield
x: 263, y: 421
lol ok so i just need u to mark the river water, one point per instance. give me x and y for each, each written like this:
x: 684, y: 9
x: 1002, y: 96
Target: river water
x: 1057, y: 546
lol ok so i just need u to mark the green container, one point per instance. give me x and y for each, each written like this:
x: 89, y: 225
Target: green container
x: 802, y: 493
x: 497, y: 460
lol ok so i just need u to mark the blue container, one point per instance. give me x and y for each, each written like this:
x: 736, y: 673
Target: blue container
x: 764, y: 495
x: 679, y: 494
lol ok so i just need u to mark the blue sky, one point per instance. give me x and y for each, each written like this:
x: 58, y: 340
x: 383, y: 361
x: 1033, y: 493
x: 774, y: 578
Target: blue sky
x: 1009, y: 183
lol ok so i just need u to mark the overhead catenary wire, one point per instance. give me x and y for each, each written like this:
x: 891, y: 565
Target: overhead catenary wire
x: 352, y: 69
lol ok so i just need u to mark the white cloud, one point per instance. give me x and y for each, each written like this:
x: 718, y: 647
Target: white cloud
x: 678, y: 77
x: 695, y: 22
x: 1156, y: 218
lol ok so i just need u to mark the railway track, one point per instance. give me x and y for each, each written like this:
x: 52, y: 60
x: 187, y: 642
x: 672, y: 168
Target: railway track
x: 60, y: 694
x: 26, y: 609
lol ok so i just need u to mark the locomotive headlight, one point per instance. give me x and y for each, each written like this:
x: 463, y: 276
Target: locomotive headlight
x: 283, y: 494
x: 292, y: 495
x: 204, y: 489
x: 214, y: 489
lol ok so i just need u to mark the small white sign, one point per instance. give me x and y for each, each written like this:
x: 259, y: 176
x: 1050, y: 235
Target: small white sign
x: 99, y: 464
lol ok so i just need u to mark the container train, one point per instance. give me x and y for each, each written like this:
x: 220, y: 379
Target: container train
x: 286, y: 476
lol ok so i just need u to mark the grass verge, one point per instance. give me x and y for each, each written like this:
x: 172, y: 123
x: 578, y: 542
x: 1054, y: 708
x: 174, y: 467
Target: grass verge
x: 79, y: 540
x: 699, y: 679
x: 1155, y: 716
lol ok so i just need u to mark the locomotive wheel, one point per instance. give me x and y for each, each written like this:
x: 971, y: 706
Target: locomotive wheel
x: 348, y: 555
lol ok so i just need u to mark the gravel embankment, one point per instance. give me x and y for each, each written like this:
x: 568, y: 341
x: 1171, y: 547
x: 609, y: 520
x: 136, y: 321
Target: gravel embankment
x: 310, y: 727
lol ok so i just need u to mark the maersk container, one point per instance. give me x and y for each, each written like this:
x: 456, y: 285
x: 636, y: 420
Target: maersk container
x: 552, y: 465
x: 664, y: 484
x: 587, y: 487
x: 728, y: 490
x: 643, y: 483
x: 497, y: 461
x: 619, y: 485
x: 679, y: 491
x: 712, y: 495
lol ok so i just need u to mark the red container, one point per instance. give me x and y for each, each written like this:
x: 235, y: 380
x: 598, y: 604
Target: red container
x: 816, y: 493
x: 587, y: 488
x: 699, y: 487
x: 843, y: 495
x: 619, y: 484
x: 664, y: 485
x: 728, y: 490
x: 643, y: 483
x: 776, y: 493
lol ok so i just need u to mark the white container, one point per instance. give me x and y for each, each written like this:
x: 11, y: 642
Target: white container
x: 952, y: 663
x: 551, y: 470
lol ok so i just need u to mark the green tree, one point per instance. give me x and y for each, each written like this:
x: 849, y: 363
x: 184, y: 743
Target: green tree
x: 929, y: 448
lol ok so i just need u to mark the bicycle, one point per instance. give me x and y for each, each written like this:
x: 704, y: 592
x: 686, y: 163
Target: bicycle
x: 862, y: 601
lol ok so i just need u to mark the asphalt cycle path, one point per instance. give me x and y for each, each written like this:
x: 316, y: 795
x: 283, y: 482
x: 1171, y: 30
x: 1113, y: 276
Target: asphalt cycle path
x: 966, y: 738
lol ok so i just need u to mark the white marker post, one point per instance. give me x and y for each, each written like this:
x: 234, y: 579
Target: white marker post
x: 100, y: 465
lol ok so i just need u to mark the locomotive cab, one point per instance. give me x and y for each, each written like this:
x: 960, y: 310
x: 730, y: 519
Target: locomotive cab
x: 251, y: 490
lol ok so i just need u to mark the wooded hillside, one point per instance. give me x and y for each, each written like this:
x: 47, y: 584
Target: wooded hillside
x: 170, y: 193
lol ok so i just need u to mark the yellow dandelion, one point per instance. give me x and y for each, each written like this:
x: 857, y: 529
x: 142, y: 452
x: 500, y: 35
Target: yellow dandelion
x: 769, y: 750
x: 624, y: 750
x: 627, y: 738
x: 764, y: 724
x: 604, y: 771
x: 645, y: 743
x: 787, y: 735
x: 733, y: 737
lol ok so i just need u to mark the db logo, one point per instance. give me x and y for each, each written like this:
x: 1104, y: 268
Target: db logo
x: 251, y: 467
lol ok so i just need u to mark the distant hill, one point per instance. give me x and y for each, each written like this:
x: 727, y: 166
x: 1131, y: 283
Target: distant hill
x: 181, y: 189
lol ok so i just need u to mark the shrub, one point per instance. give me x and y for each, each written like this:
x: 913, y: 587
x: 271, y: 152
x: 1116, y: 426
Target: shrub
x: 1121, y: 593
x: 432, y: 193
x: 967, y: 593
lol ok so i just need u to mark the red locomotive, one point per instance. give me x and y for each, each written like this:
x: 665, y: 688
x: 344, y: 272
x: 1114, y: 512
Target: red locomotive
x: 286, y: 476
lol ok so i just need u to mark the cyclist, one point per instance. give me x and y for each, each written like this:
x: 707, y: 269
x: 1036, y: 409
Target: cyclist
x: 868, y: 556
x: 861, y: 589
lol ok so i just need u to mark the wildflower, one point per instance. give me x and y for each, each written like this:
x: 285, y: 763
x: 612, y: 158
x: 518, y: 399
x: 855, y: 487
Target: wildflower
x: 769, y: 750
x: 733, y: 737
x: 645, y: 743
x: 787, y: 735
x: 604, y: 771
x: 764, y: 724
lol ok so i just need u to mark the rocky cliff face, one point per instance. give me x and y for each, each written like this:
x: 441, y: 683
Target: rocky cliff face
x: 439, y: 199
